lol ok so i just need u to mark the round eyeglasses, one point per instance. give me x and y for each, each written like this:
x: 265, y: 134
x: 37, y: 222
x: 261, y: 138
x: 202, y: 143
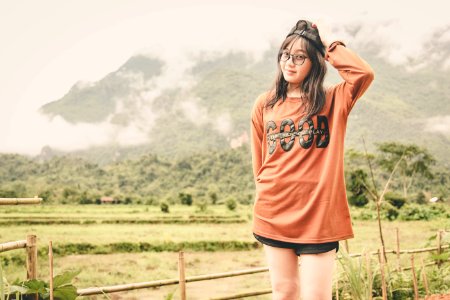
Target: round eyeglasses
x: 297, y: 59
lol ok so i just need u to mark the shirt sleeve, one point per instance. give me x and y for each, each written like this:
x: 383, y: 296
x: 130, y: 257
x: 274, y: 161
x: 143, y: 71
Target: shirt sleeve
x: 357, y: 74
x: 257, y: 131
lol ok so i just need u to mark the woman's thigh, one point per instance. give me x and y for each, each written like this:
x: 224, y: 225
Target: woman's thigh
x: 284, y: 273
x: 316, y: 275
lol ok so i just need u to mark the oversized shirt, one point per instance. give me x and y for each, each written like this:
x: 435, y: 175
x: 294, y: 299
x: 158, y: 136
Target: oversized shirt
x: 298, y: 164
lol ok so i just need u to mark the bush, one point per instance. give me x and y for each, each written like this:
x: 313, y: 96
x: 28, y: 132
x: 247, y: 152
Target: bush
x: 202, y: 206
x: 358, y: 200
x: 395, y: 199
x: 213, y: 196
x: 420, y: 198
x: 164, y: 207
x: 413, y: 212
x: 231, y: 204
x: 185, y: 199
x: 357, y: 186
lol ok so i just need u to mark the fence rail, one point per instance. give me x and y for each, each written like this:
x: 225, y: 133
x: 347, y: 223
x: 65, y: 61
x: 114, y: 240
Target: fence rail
x: 30, y: 246
x: 159, y: 283
x: 20, y: 201
x: 31, y: 249
x: 13, y: 245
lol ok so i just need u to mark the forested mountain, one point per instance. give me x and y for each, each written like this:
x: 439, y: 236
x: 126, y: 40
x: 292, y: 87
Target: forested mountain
x: 213, y: 111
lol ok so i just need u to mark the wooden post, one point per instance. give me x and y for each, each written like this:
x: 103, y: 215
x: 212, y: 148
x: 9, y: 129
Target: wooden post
x: 399, y: 266
x: 346, y: 246
x: 383, y: 280
x: 416, y: 292
x: 369, y: 274
x: 424, y: 277
x: 31, y: 257
x: 439, y: 251
x: 182, y: 277
x: 50, y: 260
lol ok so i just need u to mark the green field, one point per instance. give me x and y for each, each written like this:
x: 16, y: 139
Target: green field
x: 117, y: 249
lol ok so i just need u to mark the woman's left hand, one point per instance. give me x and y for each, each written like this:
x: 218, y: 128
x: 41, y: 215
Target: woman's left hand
x: 325, y: 33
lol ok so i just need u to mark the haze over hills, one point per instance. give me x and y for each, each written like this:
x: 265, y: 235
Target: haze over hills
x: 206, y: 105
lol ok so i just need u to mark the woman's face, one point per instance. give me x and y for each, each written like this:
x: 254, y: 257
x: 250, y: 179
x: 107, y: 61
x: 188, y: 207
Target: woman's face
x: 294, y: 73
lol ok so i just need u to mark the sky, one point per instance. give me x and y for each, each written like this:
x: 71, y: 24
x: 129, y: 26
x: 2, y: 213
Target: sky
x: 48, y: 46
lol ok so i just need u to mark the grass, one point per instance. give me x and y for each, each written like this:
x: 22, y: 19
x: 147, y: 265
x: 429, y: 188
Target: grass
x: 118, y: 268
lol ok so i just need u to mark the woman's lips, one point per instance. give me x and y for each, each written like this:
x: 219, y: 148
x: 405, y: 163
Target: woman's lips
x: 289, y: 72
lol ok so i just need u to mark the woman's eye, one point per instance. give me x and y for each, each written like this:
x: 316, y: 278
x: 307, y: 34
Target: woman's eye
x: 299, y: 57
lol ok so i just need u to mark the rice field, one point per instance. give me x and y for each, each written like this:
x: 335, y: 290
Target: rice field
x: 213, y: 241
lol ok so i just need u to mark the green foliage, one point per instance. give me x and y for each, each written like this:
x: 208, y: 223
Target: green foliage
x: 414, y: 211
x: 164, y: 207
x: 414, y: 161
x: 231, y: 204
x: 185, y: 199
x: 63, y: 289
x: 202, y: 206
x: 214, y: 176
x: 356, y: 281
x: 395, y: 199
x: 420, y: 198
x: 358, y: 188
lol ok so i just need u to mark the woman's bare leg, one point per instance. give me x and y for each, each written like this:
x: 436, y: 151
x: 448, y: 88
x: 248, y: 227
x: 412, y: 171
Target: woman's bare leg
x: 284, y: 274
x: 316, y: 275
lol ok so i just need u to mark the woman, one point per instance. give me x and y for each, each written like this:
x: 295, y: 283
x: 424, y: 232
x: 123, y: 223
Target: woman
x: 298, y: 130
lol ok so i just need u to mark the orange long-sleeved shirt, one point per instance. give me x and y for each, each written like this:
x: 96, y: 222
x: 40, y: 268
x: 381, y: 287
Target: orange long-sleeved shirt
x: 298, y: 166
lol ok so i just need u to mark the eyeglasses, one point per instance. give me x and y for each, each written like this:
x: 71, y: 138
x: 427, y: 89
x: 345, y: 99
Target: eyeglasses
x: 297, y: 59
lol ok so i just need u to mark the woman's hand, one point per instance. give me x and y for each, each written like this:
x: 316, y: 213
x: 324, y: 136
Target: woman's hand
x: 326, y: 36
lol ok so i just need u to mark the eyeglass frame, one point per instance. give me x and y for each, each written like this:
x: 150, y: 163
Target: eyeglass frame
x: 293, y: 57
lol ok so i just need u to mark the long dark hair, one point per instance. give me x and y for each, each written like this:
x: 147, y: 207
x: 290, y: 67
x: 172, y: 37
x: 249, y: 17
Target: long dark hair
x: 312, y: 85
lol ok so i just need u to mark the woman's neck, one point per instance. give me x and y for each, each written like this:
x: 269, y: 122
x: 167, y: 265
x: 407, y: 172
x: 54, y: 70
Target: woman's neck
x: 294, y: 92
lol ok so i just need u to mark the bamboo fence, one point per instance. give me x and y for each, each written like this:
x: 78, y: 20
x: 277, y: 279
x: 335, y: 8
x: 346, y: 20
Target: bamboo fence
x: 31, y: 249
x: 31, y: 252
x: 20, y: 201
x: 181, y: 281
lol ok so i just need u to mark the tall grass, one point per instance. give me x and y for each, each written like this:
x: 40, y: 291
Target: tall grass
x: 356, y: 278
x: 2, y: 293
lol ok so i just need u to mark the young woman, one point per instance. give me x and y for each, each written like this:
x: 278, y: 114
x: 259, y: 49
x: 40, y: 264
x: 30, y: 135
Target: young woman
x: 298, y: 130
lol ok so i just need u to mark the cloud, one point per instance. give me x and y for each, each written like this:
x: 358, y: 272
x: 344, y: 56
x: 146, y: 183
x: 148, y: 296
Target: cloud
x: 438, y: 124
x: 41, y: 62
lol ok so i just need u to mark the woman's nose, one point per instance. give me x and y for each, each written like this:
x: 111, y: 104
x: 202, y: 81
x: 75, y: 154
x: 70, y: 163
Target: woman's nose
x: 290, y: 60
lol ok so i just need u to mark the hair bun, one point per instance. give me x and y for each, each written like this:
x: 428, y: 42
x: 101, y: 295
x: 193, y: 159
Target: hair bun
x: 309, y: 31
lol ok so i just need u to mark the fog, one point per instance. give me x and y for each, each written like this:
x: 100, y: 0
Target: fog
x: 48, y: 46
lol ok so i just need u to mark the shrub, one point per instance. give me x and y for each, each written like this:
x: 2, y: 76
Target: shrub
x: 202, y: 206
x: 414, y: 211
x: 420, y: 198
x: 185, y: 199
x: 231, y: 204
x: 357, y: 186
x: 358, y: 200
x: 164, y: 207
x: 213, y: 196
x: 395, y: 199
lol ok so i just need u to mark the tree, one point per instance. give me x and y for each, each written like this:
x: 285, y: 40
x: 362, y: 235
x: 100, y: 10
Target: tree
x: 358, y: 187
x: 231, y: 203
x: 185, y: 199
x: 416, y: 161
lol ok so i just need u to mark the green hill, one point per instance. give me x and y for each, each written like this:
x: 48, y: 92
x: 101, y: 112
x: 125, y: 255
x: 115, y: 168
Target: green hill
x: 400, y: 105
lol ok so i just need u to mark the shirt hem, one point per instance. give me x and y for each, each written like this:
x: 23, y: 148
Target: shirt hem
x: 304, y: 241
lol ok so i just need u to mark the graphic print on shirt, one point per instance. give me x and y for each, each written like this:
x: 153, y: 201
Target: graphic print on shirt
x: 306, y: 132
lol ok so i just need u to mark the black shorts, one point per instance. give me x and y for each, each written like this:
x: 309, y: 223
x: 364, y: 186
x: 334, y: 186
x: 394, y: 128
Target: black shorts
x: 300, y: 248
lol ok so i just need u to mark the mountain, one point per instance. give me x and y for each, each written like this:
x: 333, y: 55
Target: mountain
x: 209, y: 108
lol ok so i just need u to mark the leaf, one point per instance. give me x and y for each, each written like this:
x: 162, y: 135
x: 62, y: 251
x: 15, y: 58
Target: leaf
x: 18, y: 288
x: 64, y: 278
x: 67, y: 292
x: 34, y: 286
